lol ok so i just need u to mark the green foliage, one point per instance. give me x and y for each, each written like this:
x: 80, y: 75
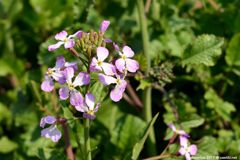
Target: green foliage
x: 233, y: 55
x: 139, y: 145
x: 204, y: 50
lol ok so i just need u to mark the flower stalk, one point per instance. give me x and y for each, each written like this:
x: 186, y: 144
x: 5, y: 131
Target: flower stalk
x: 148, y: 92
x: 87, y: 144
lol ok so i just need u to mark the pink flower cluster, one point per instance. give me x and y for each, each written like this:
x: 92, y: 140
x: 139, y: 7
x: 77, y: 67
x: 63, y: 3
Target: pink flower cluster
x: 71, y: 79
x: 186, y: 149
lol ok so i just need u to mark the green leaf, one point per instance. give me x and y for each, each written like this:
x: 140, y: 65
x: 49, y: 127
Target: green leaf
x: 203, y: 50
x: 222, y: 108
x: 99, y: 91
x: 143, y: 84
x: 233, y: 51
x: 7, y: 145
x: 139, y: 145
x: 207, y: 147
x: 192, y: 121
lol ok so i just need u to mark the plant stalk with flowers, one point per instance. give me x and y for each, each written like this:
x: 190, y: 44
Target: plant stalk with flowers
x: 74, y: 83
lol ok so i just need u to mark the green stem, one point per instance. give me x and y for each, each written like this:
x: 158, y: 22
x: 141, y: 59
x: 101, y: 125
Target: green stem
x: 151, y: 147
x: 87, y: 145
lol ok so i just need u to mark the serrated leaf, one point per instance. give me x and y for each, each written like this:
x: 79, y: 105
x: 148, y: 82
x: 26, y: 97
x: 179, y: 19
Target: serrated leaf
x: 7, y: 145
x: 233, y: 51
x: 207, y: 147
x: 222, y: 108
x: 139, y: 145
x: 203, y: 50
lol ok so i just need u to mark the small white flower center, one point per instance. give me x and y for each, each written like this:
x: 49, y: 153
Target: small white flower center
x: 118, y: 81
x: 99, y: 63
x: 71, y: 86
x: 65, y: 39
x: 91, y: 112
x: 124, y: 57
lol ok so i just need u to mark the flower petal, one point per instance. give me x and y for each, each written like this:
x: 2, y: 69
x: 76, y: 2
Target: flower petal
x: 61, y: 35
x: 192, y: 149
x: 69, y: 44
x: 117, y: 93
x: 54, y: 46
x: 69, y: 73
x: 60, y: 62
x: 52, y: 132
x: 128, y: 52
x: 77, y: 34
x: 132, y: 65
x: 82, y: 78
x: 182, y: 151
x: 97, y: 107
x: 108, y: 69
x: 47, y: 120
x: 81, y: 108
x: 187, y: 156
x: 90, y: 101
x: 102, y: 53
x: 183, y: 141
x: 106, y: 80
x: 76, y: 98
x: 108, y: 40
x: 63, y: 93
x: 120, y: 64
x: 104, y: 26
x: 47, y: 85
x: 116, y: 47
x: 72, y: 64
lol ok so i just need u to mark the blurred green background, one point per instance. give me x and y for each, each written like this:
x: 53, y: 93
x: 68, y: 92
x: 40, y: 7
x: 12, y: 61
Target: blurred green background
x: 206, y: 96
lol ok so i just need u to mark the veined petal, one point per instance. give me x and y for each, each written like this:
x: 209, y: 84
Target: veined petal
x: 97, y: 107
x: 47, y: 120
x: 128, y: 52
x: 102, y: 53
x: 108, y: 69
x: 107, y: 40
x: 82, y: 78
x: 47, y: 85
x: 182, y: 151
x: 69, y: 44
x: 183, y: 141
x: 94, y: 66
x: 106, y: 80
x: 63, y: 93
x: 81, y: 108
x: 132, y: 65
x: 69, y: 73
x: 90, y: 101
x: 188, y: 156
x: 76, y: 98
x: 104, y: 26
x: 117, y: 93
x: 61, y: 35
x: 57, y: 75
x: 77, y: 34
x: 55, y: 46
x: 60, y: 62
x: 120, y: 64
x: 52, y: 132
x: 72, y: 64
x: 192, y: 149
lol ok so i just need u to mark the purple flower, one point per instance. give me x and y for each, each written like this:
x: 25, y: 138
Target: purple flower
x: 117, y: 92
x: 51, y: 132
x: 104, y: 26
x: 88, y: 107
x: 56, y: 73
x: 81, y: 79
x: 97, y: 64
x: 65, y: 40
x: 124, y: 63
x: 186, y: 149
x: 180, y: 132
